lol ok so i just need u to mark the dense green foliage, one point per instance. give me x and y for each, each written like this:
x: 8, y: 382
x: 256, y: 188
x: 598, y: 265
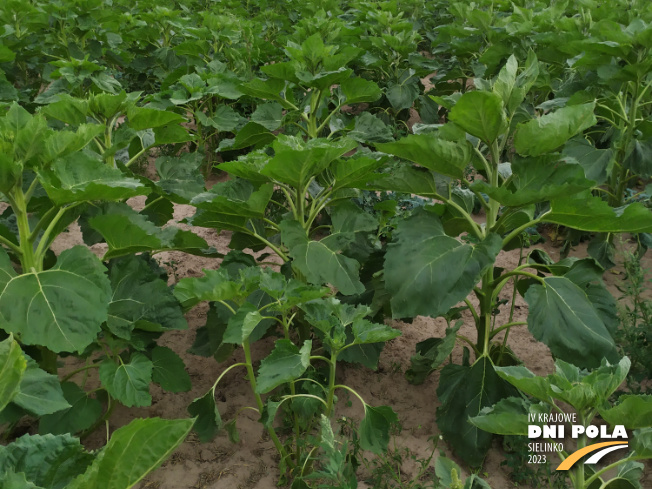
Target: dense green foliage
x: 385, y: 152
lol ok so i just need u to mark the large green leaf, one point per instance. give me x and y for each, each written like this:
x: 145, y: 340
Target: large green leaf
x: 594, y: 161
x: 286, y: 363
x: 356, y: 90
x: 48, y: 461
x: 141, y: 299
x: 464, y: 392
x: 445, y: 157
x: 631, y: 411
x: 481, y: 114
x: 551, y: 131
x: 507, y: 417
x: 12, y: 368
x: 169, y: 371
x: 588, y: 213
x: 126, y: 232
x: 526, y: 382
x: 296, y: 162
x: 79, y: 177
x: 133, y: 452
x: 431, y: 353
x: 143, y: 118
x: 562, y: 316
x: 375, y: 428
x: 128, y: 382
x: 215, y: 285
x: 179, y: 177
x: 242, y: 324
x: 427, y: 272
x: 81, y: 414
x: 320, y: 261
x: 209, y: 421
x: 536, y: 180
x: 40, y: 392
x: 37, y: 305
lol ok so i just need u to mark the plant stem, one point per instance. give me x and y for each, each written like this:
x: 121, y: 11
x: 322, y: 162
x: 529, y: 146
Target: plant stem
x: 331, y: 384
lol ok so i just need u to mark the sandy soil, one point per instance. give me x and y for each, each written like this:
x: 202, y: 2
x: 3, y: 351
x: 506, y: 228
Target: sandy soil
x: 252, y: 462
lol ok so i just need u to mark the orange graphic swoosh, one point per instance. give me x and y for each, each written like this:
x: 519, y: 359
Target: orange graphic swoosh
x: 570, y: 460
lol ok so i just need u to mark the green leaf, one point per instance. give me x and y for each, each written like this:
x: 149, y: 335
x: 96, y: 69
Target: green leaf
x: 179, y: 177
x: 320, y: 261
x: 269, y: 115
x: 296, y: 162
x: 639, y: 160
x: 141, y: 299
x: 594, y: 161
x: 431, y: 353
x: 128, y: 382
x: 12, y: 369
x: 588, y: 213
x: 13, y: 480
x: 126, y: 232
x: 81, y: 414
x: 242, y: 324
x: 526, y: 382
x: 366, y: 332
x: 215, y: 285
x: 72, y: 111
x: 266, y: 89
x: 36, y: 305
x: 209, y: 421
x: 481, y: 114
x: 402, y: 95
x: 169, y: 371
x: 375, y: 428
x: 48, y: 461
x: 536, y: 180
x: 507, y: 417
x: 641, y: 443
x: 141, y: 118
x: 551, y: 131
x: 79, y: 178
x: 251, y: 134
x: 224, y: 118
x: 40, y: 392
x: 562, y: 317
x: 631, y: 411
x: 464, y: 392
x: 445, y: 157
x: 427, y: 272
x: 369, y: 128
x: 269, y: 412
x: 286, y: 362
x: 357, y: 90
x: 133, y: 452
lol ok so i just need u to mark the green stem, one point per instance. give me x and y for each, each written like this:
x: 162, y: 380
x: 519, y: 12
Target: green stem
x: 241, y: 364
x: 28, y: 258
x: 79, y: 370
x: 507, y: 326
x: 11, y: 246
x: 331, y: 384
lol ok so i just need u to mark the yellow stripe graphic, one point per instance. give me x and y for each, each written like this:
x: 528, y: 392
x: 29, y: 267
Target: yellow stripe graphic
x: 571, y: 459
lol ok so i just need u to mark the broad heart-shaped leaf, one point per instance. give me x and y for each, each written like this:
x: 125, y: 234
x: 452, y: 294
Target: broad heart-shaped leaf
x: 230, y: 205
x: 641, y: 442
x: 252, y: 134
x: 358, y: 90
x: 588, y: 213
x: 375, y: 428
x: 365, y: 332
x: 208, y: 420
x: 37, y: 305
x: 40, y: 392
x: 47, y: 461
x: 143, y: 118
x: 224, y: 118
x: 208, y: 341
x: 133, y: 452
x: 427, y: 272
x: 639, y: 160
x: 12, y: 368
x: 215, y: 285
x: 128, y: 382
x: 126, y: 232
x: 507, y: 417
x: 266, y: 89
x: 269, y: 115
x: 141, y: 299
x: 594, y: 161
x: 320, y: 261
x: 464, y: 392
x: 169, y: 370
x: 79, y: 177
x: 13, y: 480
x: 431, y: 353
x: 551, y: 131
x: 631, y: 411
x: 481, y: 114
x: 296, y: 162
x: 536, y: 180
x: 562, y: 316
x: 445, y: 157
x: 286, y: 362
x: 81, y: 414
x: 179, y: 177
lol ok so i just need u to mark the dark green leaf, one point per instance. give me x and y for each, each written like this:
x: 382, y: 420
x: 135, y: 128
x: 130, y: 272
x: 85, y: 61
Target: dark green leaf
x: 128, y: 382
x: 375, y: 428
x: 286, y: 362
x: 481, y: 114
x: 209, y: 421
x: 169, y: 370
x: 12, y: 368
x: 81, y: 414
